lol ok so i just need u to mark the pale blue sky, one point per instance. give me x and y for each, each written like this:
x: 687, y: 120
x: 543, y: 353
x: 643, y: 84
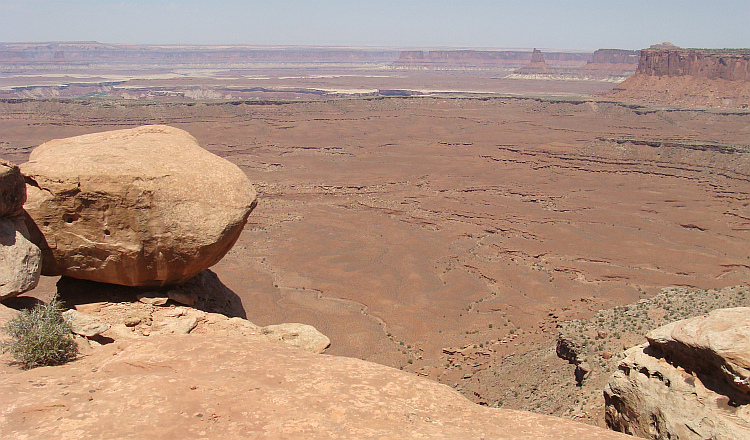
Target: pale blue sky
x: 574, y: 24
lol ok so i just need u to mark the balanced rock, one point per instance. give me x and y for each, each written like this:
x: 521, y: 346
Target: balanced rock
x: 12, y: 189
x: 138, y: 207
x: 20, y: 259
x: 687, y: 383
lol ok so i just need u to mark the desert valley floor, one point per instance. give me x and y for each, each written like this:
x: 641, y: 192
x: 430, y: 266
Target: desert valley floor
x: 408, y: 229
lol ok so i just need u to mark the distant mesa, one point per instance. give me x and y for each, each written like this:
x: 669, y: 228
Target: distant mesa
x: 99, y: 53
x: 483, y: 59
x: 443, y: 59
x: 613, y: 61
x: 689, y: 77
x: 726, y: 64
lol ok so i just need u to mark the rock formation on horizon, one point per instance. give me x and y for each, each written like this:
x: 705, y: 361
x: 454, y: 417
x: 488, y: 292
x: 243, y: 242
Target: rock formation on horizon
x: 690, y: 382
x: 664, y: 45
x: 138, y: 207
x: 481, y: 59
x: 689, y: 77
x: 613, y: 61
x: 536, y: 66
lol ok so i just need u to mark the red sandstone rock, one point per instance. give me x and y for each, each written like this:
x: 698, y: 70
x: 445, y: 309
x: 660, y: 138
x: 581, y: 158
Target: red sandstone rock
x: 176, y: 387
x: 20, y: 259
x: 716, y: 344
x: 139, y: 207
x: 689, y: 77
x: 690, y: 382
x: 730, y: 65
x: 12, y: 189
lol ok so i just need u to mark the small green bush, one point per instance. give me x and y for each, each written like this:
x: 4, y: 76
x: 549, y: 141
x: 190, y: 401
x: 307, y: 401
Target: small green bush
x: 40, y: 337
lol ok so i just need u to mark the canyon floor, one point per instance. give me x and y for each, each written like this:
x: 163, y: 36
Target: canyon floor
x: 448, y: 235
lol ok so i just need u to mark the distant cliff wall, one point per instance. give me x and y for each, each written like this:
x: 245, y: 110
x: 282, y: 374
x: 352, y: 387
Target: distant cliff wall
x: 689, y: 77
x: 615, y: 56
x: 483, y: 58
x: 92, y: 52
x: 613, y: 61
x: 731, y: 65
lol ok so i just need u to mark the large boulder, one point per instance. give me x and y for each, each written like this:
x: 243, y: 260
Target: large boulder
x: 138, y: 207
x: 20, y: 259
x: 688, y: 382
x: 12, y: 189
x: 208, y: 386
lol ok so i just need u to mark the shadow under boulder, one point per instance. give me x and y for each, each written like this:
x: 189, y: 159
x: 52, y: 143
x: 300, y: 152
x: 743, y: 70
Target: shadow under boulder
x: 203, y: 292
x: 102, y: 313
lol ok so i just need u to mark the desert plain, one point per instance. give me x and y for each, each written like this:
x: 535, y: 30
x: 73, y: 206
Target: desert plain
x: 438, y: 221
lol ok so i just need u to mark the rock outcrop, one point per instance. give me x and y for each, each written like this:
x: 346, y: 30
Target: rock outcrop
x: 729, y: 65
x: 689, y: 382
x: 717, y: 344
x: 20, y: 259
x: 176, y: 386
x: 693, y: 77
x: 138, y: 207
x: 123, y: 321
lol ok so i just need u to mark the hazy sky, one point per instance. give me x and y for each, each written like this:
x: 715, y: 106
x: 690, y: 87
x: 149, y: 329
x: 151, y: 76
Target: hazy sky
x: 573, y: 24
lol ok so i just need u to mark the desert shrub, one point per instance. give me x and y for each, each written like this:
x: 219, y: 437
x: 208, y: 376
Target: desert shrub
x: 40, y: 337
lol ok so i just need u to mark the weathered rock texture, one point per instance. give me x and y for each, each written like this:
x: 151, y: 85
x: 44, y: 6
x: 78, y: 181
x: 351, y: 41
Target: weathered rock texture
x: 717, y: 344
x: 12, y: 189
x: 20, y: 259
x: 139, y: 207
x: 688, y: 382
x: 215, y: 387
x: 730, y: 65
x: 700, y: 77
x: 83, y: 324
x: 118, y: 321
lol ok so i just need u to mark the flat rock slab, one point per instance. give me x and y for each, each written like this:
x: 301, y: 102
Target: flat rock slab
x: 171, y: 387
x: 83, y: 324
x: 138, y: 207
